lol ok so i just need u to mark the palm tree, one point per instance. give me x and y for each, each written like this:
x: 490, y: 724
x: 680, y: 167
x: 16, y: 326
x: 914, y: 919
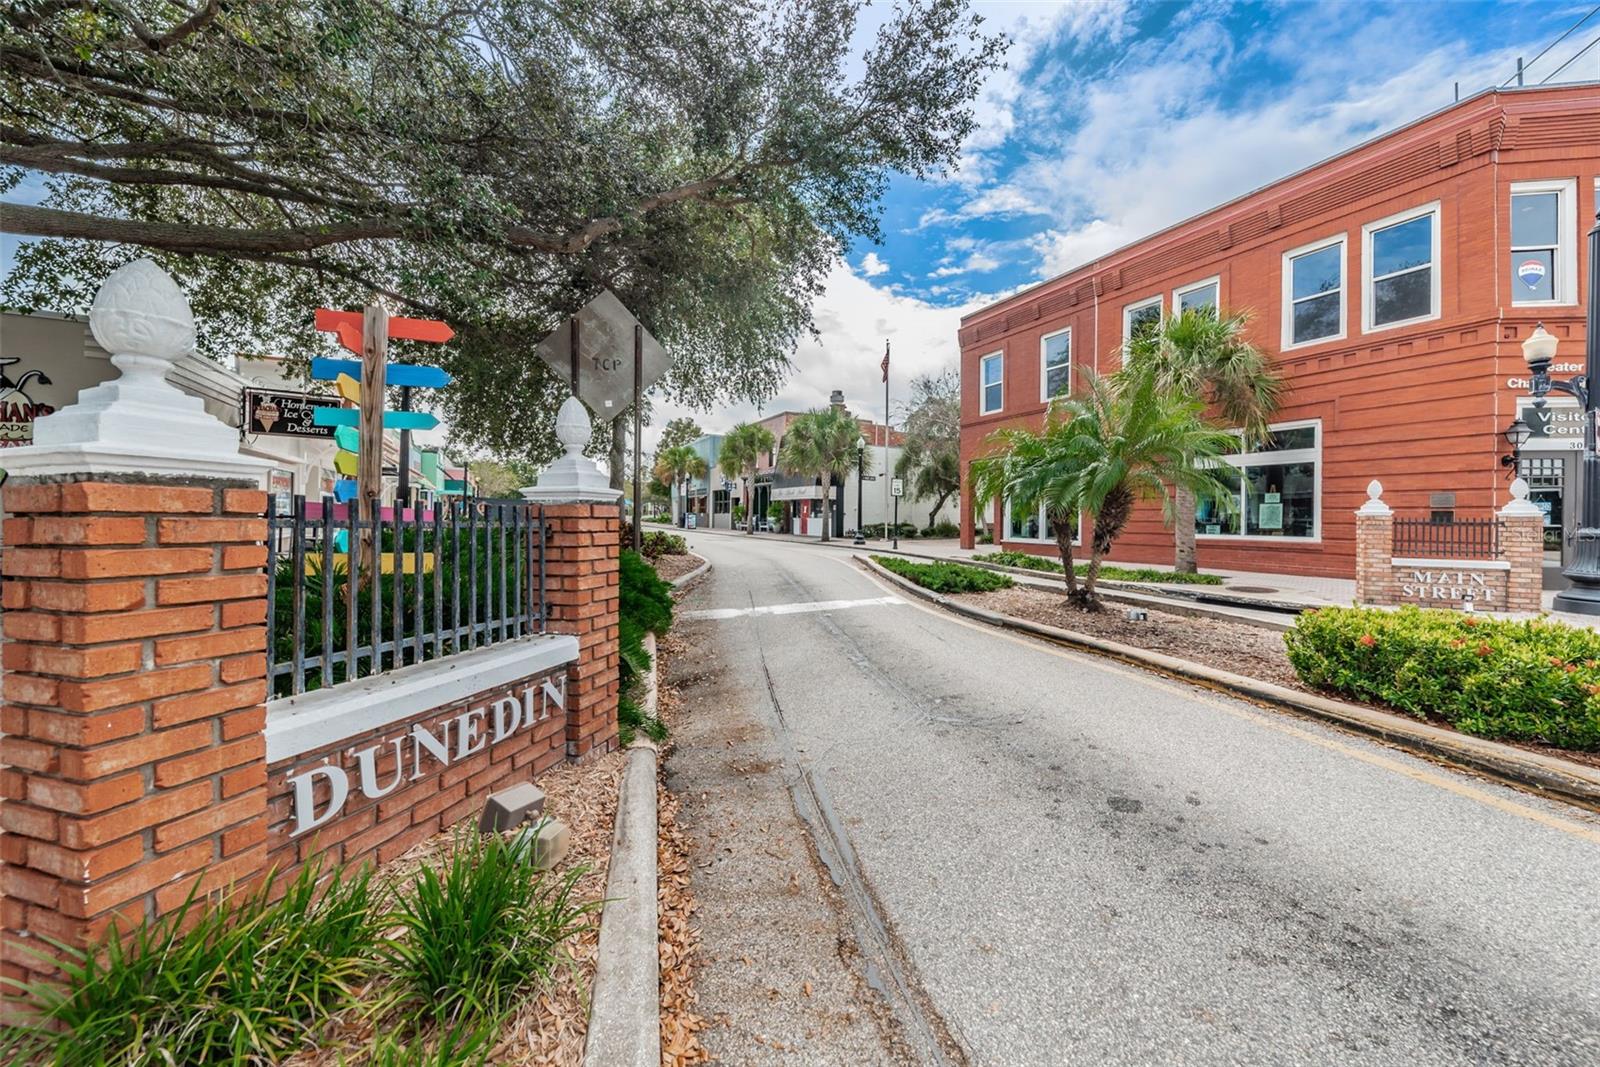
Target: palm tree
x: 742, y: 449
x: 1121, y: 440
x: 1203, y: 355
x: 821, y: 443
x: 675, y: 466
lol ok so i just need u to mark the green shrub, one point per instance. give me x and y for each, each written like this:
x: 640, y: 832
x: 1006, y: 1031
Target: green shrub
x: 246, y: 983
x: 944, y: 528
x: 657, y: 543
x: 1535, y: 680
x: 946, y: 577
x: 1028, y: 561
x: 645, y: 607
x: 486, y: 927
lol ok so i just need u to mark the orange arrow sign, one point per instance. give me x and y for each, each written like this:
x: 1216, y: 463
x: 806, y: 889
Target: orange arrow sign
x: 347, y: 324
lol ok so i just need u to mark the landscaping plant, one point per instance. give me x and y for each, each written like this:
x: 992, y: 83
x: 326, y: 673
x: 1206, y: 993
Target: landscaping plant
x: 1028, y: 561
x: 657, y: 543
x: 241, y: 981
x: 486, y: 926
x: 946, y: 577
x: 645, y: 606
x: 1535, y: 680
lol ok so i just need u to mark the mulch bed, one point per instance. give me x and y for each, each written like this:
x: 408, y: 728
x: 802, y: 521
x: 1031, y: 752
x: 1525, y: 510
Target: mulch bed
x: 671, y: 567
x: 548, y: 1030
x: 679, y: 948
x: 1230, y: 646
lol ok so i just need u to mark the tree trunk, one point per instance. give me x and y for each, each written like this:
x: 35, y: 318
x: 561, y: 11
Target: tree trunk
x: 1061, y: 527
x: 933, y: 516
x: 827, y: 506
x: 619, y: 450
x: 1183, y: 532
x: 749, y: 519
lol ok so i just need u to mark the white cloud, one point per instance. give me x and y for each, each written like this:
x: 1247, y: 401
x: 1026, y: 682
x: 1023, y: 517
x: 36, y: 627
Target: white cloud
x: 872, y: 265
x: 976, y: 263
x: 854, y: 318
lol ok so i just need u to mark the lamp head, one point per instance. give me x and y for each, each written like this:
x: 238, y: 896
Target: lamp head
x: 1539, y: 349
x: 1517, y: 433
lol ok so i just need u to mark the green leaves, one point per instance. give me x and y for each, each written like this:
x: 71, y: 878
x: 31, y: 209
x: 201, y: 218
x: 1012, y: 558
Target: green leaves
x: 946, y: 577
x: 1535, y: 680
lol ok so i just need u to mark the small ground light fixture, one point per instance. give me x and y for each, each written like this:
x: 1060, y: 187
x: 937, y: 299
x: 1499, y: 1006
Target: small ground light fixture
x: 1138, y: 615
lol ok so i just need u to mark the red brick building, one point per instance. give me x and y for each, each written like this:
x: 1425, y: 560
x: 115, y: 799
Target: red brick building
x: 1393, y: 283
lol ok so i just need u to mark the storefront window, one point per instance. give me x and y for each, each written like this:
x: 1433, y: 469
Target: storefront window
x: 1031, y: 526
x: 1273, y: 489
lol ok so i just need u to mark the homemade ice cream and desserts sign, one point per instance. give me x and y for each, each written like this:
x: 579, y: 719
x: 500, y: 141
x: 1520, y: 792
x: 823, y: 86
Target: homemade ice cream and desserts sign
x: 372, y: 769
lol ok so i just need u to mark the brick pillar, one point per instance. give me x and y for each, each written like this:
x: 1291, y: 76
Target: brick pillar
x: 1375, y: 549
x: 1522, y: 546
x: 583, y: 533
x: 133, y: 711
x: 581, y: 589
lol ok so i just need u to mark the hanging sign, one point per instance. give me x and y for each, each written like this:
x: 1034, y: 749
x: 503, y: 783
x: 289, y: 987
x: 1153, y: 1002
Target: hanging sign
x: 285, y: 414
x: 18, y: 410
x: 1532, y: 272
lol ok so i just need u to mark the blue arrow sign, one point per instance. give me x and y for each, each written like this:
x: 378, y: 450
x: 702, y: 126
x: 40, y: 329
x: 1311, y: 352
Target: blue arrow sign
x: 392, y: 420
x: 326, y: 370
x: 344, y: 490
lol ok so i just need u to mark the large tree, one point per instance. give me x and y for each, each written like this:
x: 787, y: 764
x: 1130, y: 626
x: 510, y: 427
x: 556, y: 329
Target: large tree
x: 931, y: 458
x: 1205, y: 355
x: 742, y: 449
x: 493, y: 164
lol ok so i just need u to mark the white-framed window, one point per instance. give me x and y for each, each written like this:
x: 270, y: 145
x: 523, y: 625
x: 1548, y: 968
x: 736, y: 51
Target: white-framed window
x: 991, y: 385
x: 1400, y: 268
x: 1277, y: 489
x: 1031, y: 526
x: 1544, y: 248
x: 1055, y: 363
x: 1197, y: 295
x: 1140, y: 318
x: 1313, y: 292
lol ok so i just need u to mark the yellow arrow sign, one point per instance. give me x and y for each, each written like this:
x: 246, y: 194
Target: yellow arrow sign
x: 348, y: 388
x: 346, y: 463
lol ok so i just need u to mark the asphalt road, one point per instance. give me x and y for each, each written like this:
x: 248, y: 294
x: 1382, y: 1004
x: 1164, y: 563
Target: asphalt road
x: 1047, y: 858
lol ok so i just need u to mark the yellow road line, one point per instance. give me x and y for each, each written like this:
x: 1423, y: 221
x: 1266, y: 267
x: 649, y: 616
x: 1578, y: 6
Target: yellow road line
x: 1418, y: 773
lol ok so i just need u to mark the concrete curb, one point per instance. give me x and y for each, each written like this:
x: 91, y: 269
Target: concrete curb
x: 683, y: 580
x: 625, y: 1019
x: 1549, y: 777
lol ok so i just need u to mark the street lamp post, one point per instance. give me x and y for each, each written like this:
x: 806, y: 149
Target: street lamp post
x: 861, y: 453
x: 1583, y: 597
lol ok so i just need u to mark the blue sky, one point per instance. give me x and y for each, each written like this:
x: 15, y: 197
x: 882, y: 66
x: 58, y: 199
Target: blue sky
x: 1114, y: 119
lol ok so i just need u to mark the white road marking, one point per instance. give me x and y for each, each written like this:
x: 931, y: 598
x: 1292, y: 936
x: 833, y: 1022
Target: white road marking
x: 802, y: 608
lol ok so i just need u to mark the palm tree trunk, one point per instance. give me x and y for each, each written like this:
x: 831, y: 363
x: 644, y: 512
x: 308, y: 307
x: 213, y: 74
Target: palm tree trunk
x: 1183, y: 532
x: 1061, y: 527
x: 827, y: 504
x: 749, y: 519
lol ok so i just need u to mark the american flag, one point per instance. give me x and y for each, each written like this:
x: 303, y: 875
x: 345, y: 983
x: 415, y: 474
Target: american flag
x: 885, y: 363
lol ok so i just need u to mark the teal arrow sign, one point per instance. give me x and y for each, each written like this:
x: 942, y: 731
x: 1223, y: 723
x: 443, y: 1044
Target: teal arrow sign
x: 347, y: 438
x: 392, y: 420
x: 326, y: 370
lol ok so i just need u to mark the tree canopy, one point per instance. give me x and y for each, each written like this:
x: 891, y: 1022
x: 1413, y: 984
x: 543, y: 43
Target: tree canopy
x: 492, y: 164
x: 930, y: 460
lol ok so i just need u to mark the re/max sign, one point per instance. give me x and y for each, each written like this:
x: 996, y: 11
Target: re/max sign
x: 451, y: 741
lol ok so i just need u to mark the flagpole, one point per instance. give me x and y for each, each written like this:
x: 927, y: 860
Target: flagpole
x: 885, y: 474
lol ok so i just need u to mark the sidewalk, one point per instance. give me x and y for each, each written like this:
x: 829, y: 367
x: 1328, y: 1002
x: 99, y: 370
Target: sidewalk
x: 1247, y: 590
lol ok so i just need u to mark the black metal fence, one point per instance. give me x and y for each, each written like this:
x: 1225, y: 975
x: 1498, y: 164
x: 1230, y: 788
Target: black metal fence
x: 1447, y: 539
x: 451, y: 577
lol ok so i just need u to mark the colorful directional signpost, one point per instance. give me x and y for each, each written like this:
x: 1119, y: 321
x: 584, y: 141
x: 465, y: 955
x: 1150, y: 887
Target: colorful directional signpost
x: 358, y: 431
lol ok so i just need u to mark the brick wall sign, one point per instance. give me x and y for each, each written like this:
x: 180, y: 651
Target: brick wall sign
x: 375, y: 793
x: 1484, y: 586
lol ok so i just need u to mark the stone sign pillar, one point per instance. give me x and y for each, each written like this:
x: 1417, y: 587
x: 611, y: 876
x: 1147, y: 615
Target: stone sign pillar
x: 134, y: 645
x: 1374, y: 549
x: 1522, y: 546
x: 583, y: 532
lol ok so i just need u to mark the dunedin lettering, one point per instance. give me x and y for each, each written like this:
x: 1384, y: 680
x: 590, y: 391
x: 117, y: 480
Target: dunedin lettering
x: 1446, y: 585
x: 457, y: 739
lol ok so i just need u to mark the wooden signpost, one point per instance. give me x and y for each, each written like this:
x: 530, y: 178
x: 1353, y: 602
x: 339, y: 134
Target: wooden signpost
x: 367, y: 334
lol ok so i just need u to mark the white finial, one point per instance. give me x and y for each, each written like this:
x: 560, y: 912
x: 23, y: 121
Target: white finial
x: 138, y: 423
x: 1520, y: 506
x: 572, y: 426
x: 141, y: 311
x: 574, y: 477
x: 1374, y: 504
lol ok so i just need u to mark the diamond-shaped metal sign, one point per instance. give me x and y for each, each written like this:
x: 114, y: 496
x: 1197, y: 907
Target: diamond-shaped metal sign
x: 605, y: 355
